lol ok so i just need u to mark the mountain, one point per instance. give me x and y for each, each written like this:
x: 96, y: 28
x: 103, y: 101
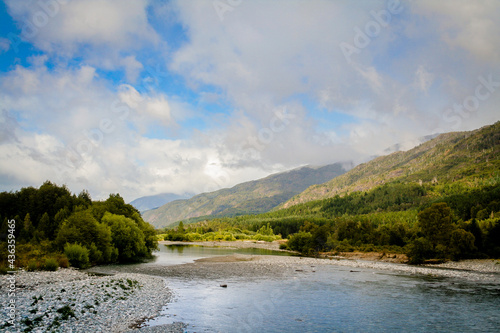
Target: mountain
x: 252, y: 197
x: 465, y: 157
x: 155, y: 201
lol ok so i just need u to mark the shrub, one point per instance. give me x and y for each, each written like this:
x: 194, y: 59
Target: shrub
x: 63, y: 262
x: 301, y: 242
x: 32, y: 266
x: 77, y: 255
x: 51, y: 264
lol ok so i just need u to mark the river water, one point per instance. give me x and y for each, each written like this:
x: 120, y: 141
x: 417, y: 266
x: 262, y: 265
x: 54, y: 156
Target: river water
x: 327, y: 299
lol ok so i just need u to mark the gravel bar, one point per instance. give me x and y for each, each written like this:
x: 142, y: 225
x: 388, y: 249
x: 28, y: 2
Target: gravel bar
x: 238, y: 266
x: 73, y: 301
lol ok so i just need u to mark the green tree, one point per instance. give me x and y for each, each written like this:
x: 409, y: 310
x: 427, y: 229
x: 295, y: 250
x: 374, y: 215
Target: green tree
x: 82, y: 228
x: 77, y: 255
x: 45, y: 226
x: 436, y: 224
x: 302, y: 242
x: 266, y: 230
x: 180, y: 228
x: 29, y: 229
x: 127, y: 237
x: 419, y: 250
x: 461, y: 244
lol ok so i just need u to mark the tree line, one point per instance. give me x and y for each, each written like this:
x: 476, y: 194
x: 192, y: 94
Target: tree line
x: 51, y: 222
x: 450, y: 221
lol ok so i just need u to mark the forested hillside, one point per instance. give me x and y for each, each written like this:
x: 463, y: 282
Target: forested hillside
x: 51, y: 224
x: 252, y: 197
x: 463, y: 157
x: 440, y: 200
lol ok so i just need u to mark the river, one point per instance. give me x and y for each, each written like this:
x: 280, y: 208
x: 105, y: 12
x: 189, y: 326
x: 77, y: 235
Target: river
x: 324, y: 298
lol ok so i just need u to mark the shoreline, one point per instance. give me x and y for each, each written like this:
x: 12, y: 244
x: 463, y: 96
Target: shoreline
x: 243, y: 244
x: 469, y: 265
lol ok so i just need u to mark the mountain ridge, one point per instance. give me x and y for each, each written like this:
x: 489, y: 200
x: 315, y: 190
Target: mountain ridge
x: 436, y: 160
x: 149, y: 202
x: 251, y: 197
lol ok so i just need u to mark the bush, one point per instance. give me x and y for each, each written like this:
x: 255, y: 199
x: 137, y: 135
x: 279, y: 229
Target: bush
x: 32, y: 266
x: 77, y: 255
x: 51, y: 264
x: 301, y: 242
x: 344, y: 246
x: 63, y: 262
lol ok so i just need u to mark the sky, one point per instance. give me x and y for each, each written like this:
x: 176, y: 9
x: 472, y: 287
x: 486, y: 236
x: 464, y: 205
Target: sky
x: 141, y: 97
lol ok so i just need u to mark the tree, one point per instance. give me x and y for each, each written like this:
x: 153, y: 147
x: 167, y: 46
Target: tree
x: 45, y: 226
x: 180, y: 228
x: 461, y: 244
x: 28, y: 230
x: 127, y: 237
x: 492, y: 240
x: 419, y: 250
x: 475, y: 230
x: 436, y: 224
x: 302, y: 242
x: 77, y: 255
x: 82, y: 228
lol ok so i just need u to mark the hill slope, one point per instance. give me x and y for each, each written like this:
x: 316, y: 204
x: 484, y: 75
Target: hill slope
x: 247, y: 198
x: 452, y: 157
x: 155, y: 201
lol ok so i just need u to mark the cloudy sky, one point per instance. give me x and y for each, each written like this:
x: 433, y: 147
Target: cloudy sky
x: 140, y: 97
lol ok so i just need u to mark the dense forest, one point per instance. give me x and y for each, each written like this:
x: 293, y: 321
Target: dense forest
x: 432, y: 221
x: 49, y: 227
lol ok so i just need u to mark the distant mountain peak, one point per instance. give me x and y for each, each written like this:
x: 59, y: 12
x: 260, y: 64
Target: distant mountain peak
x: 154, y: 201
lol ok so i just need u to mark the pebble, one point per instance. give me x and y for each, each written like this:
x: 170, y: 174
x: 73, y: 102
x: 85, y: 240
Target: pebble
x: 69, y: 300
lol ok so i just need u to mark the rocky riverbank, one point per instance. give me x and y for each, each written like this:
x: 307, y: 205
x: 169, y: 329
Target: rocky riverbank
x: 74, y: 301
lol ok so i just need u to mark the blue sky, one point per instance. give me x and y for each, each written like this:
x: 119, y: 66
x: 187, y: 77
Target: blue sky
x: 140, y: 97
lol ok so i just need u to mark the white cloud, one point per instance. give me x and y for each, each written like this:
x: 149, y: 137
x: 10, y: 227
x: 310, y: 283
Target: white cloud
x: 155, y: 107
x: 103, y: 32
x: 468, y: 25
x: 68, y: 127
x: 263, y: 54
x: 72, y: 125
